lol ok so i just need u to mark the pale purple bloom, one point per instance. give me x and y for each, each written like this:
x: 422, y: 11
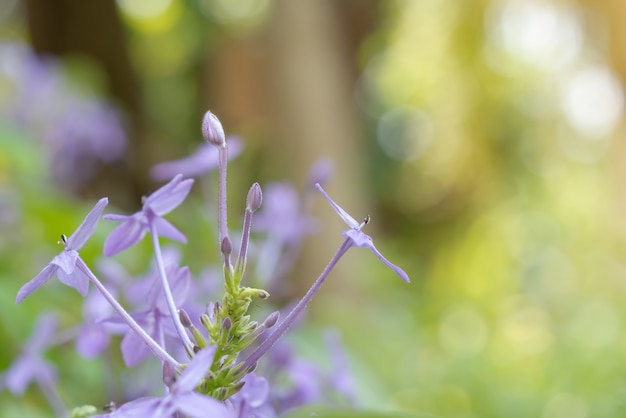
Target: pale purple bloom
x: 282, y: 219
x: 357, y: 237
x: 135, y: 227
x: 155, y: 320
x: 253, y: 400
x: 181, y: 399
x: 30, y: 366
x: 63, y: 265
x: 205, y: 159
x: 93, y: 336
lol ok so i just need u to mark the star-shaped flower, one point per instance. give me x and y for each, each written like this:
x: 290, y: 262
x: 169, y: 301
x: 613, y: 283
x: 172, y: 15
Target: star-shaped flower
x: 357, y: 237
x: 182, y: 398
x: 159, y: 203
x: 63, y: 265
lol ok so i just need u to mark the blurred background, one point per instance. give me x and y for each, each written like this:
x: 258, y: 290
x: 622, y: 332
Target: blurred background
x: 485, y: 139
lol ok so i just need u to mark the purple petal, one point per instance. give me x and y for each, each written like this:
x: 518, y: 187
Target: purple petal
x: 392, y: 266
x: 195, y: 405
x: 167, y: 230
x: 196, y: 370
x: 77, y: 279
x: 45, y: 330
x: 180, y: 281
x: 88, y: 226
x: 66, y: 260
x: 349, y: 220
x: 168, y: 196
x: 134, y: 350
x: 358, y: 238
x: 91, y: 341
x: 24, y: 371
x: 116, y: 218
x: 124, y: 236
x: 35, y: 283
x: 139, y: 408
x: 204, y: 159
x: 167, y: 203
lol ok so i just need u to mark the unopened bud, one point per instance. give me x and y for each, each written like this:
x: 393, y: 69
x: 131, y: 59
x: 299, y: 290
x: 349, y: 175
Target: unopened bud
x: 227, y: 246
x: 212, y: 130
x: 169, y: 374
x: 255, y: 198
x: 184, y: 318
x: 227, y: 324
x: 272, y: 319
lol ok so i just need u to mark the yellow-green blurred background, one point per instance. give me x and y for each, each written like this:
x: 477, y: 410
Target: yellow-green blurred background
x: 485, y: 139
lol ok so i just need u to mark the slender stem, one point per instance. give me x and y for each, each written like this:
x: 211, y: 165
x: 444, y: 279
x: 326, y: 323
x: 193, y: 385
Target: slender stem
x: 296, y: 311
x: 156, y: 349
x: 245, y: 236
x: 223, y: 223
x: 188, y: 345
x: 50, y: 392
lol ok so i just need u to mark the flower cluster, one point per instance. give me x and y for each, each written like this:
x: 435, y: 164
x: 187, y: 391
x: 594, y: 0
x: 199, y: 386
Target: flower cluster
x: 208, y: 349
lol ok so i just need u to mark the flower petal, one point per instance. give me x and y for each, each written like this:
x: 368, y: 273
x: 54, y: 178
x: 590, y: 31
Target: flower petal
x: 195, y: 405
x: 76, y: 279
x: 66, y: 260
x: 167, y: 230
x: 134, y: 350
x: 169, y: 196
x: 124, y: 236
x: 88, y: 226
x: 389, y: 264
x: 35, y: 283
x: 349, y: 220
x: 196, y: 369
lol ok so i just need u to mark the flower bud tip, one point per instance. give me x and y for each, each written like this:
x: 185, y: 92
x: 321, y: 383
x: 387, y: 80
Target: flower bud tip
x: 212, y: 130
x: 255, y: 198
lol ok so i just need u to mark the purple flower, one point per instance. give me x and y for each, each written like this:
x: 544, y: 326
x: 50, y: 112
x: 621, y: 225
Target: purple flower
x: 159, y: 203
x: 253, y: 400
x: 155, y: 320
x: 357, y: 237
x: 182, y: 398
x: 63, y: 265
x: 93, y: 336
x: 203, y: 160
x: 30, y: 366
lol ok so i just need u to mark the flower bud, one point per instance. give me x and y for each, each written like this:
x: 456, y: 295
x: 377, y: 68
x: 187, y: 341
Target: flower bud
x: 255, y: 198
x: 212, y: 130
x: 169, y: 374
x: 184, y: 318
x: 227, y: 246
x: 271, y: 320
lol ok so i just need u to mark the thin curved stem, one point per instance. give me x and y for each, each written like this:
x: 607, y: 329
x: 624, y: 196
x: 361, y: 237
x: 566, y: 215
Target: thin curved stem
x: 171, y: 306
x: 156, y: 349
x: 296, y: 311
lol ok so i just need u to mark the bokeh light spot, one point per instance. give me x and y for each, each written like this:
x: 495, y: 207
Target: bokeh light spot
x: 405, y: 133
x: 592, y: 102
x: 463, y: 331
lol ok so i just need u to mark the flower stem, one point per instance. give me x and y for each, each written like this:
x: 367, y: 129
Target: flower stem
x: 223, y: 223
x: 296, y: 311
x: 156, y: 349
x: 188, y: 345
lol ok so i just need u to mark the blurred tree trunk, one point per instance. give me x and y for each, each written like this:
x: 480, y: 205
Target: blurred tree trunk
x: 313, y: 78
x: 93, y: 29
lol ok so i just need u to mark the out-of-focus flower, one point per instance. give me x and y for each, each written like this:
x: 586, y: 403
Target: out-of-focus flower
x: 253, y: 400
x: 155, y: 319
x: 31, y: 366
x: 76, y: 129
x: 63, y: 265
x: 357, y: 237
x: 159, y: 203
x: 204, y: 160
